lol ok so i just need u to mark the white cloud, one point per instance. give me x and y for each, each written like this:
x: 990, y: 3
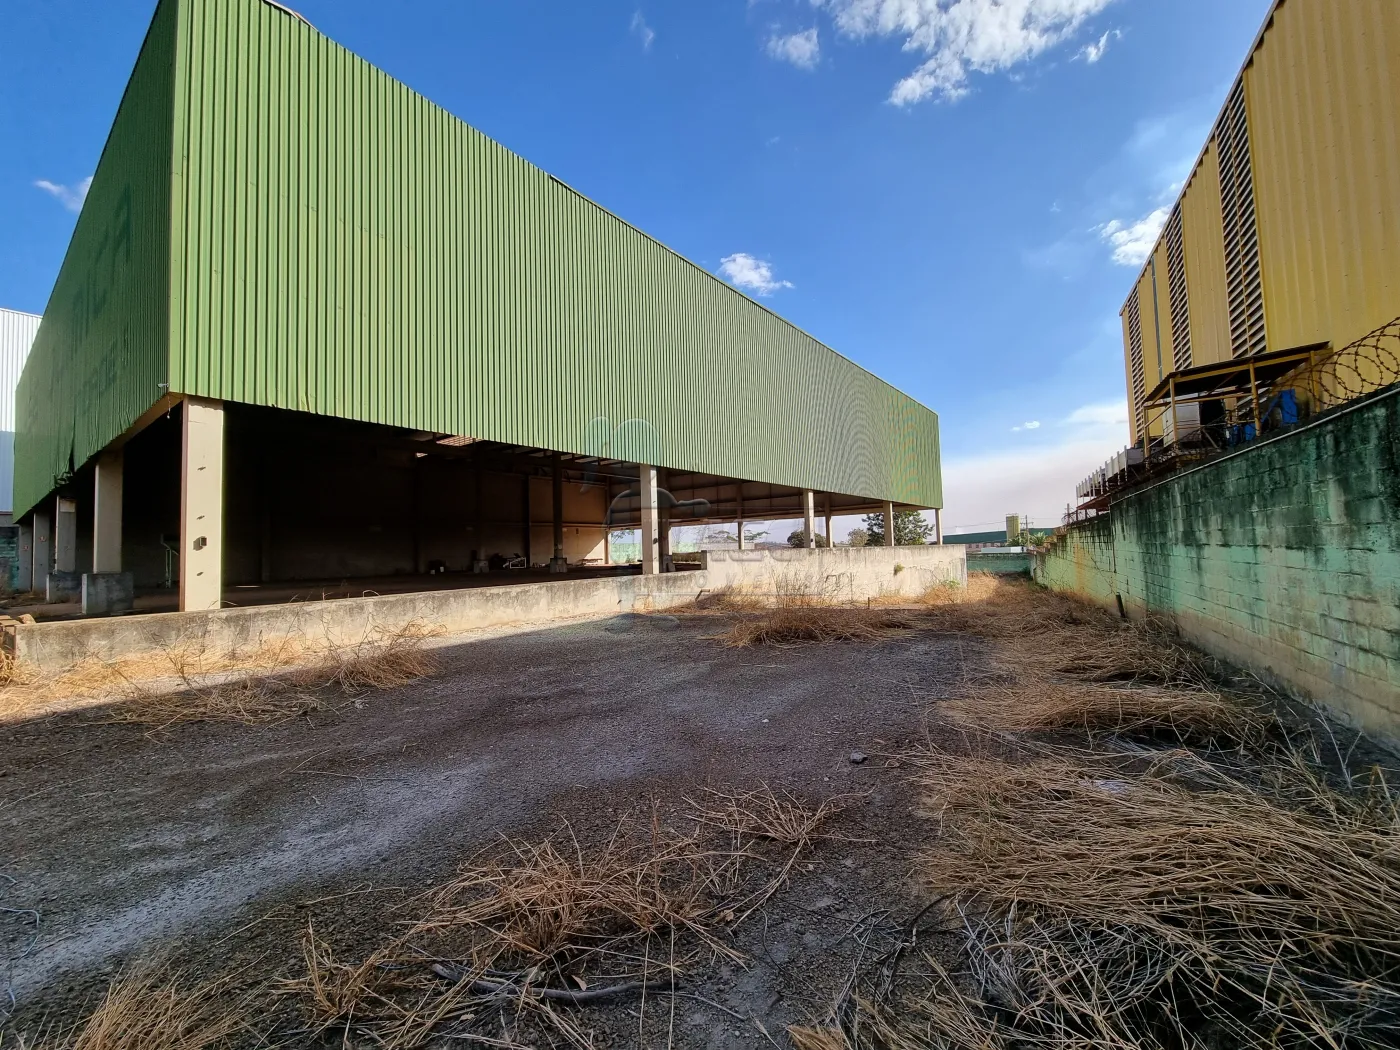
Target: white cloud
x: 960, y: 37
x: 1110, y: 414
x: 71, y: 197
x: 1133, y: 242
x: 1034, y: 424
x: 803, y: 49
x: 1094, y: 50
x: 642, y: 31
x: 750, y: 273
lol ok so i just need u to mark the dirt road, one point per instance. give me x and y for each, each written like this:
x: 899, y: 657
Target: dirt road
x: 130, y: 844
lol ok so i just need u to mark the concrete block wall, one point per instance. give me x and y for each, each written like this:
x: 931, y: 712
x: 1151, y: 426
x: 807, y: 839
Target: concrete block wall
x: 854, y: 574
x: 1283, y: 557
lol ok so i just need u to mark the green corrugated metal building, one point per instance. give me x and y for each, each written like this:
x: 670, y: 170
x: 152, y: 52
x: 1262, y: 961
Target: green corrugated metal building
x: 399, y: 324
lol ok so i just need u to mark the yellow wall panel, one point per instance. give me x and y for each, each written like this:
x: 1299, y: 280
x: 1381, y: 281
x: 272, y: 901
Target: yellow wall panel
x: 1159, y: 272
x: 1322, y: 93
x: 1204, y: 239
x: 1151, y: 349
x: 1128, y: 376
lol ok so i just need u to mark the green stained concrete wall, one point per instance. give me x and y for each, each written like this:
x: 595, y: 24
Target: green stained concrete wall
x: 999, y: 564
x: 1283, y: 558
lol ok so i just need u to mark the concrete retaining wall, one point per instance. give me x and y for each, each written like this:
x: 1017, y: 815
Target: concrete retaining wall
x: 838, y: 573
x: 1283, y: 558
x: 852, y: 575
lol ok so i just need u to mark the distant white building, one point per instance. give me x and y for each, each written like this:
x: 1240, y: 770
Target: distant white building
x: 17, y: 331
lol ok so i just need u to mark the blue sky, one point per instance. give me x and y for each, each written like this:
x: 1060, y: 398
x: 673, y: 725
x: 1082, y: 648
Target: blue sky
x: 953, y: 193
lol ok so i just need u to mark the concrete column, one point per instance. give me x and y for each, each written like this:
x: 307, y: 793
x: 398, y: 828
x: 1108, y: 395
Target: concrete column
x: 558, y: 563
x: 43, y: 551
x: 107, y: 513
x: 809, y: 518
x: 651, y: 540
x: 65, y: 536
x: 201, y: 504
x: 663, y: 521
x: 25, y: 576
x: 740, y: 493
x: 830, y: 540
x: 889, y: 524
x: 938, y: 526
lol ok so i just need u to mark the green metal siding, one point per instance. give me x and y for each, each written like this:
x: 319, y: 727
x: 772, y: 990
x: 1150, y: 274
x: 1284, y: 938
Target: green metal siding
x: 102, y: 349
x: 346, y: 247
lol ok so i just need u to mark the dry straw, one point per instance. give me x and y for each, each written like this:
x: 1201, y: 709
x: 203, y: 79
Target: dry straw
x: 189, y: 682
x: 156, y: 1010
x: 540, y: 928
x: 290, y: 681
x: 1176, y: 906
x: 796, y: 625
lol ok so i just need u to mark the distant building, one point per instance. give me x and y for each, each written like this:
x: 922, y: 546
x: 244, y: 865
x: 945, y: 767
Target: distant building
x: 1284, y: 246
x: 975, y: 541
x: 17, y: 331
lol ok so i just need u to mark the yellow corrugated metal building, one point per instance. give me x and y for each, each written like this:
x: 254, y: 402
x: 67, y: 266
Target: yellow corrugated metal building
x: 1287, y: 233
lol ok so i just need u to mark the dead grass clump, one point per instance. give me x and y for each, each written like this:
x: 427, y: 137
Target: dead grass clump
x: 554, y: 906
x: 1185, y: 717
x: 727, y: 599
x: 383, y: 659
x: 154, y: 1011
x: 810, y: 1037
x: 1099, y: 906
x: 795, y: 625
x: 538, y: 928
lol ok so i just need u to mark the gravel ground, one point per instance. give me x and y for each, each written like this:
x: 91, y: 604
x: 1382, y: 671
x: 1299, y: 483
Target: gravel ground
x: 215, y: 845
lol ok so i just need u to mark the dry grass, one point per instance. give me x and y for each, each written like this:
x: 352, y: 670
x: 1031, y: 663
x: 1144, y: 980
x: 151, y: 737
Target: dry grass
x: 544, y: 926
x: 153, y: 1010
x: 1061, y: 665
x: 1169, y: 907
x: 797, y: 625
x: 189, y: 682
x: 727, y: 599
x: 810, y: 1037
x: 1186, y: 717
x: 297, y: 683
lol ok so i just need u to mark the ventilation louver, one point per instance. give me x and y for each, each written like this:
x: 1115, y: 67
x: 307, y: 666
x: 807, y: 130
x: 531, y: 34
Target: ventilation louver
x: 1244, y: 283
x: 1135, y: 355
x: 1176, y: 293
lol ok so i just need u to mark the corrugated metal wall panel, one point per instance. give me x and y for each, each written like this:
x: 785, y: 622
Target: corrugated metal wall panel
x: 1137, y: 373
x: 1243, y: 270
x: 346, y: 247
x: 1323, y: 91
x: 17, y: 331
x: 101, y: 352
x: 1159, y: 272
x: 1147, y: 314
x: 1128, y: 350
x: 1176, y: 289
x: 1203, y: 240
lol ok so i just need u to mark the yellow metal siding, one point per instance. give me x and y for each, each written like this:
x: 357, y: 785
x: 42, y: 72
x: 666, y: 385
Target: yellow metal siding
x: 1161, y: 285
x: 1324, y: 97
x: 1128, y: 376
x: 1150, y: 348
x: 1204, y: 240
